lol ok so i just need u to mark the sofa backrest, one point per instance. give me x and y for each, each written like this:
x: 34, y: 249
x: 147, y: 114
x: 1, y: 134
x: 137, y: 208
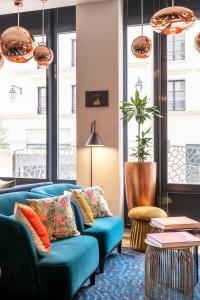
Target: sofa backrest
x: 7, y: 201
x: 55, y: 189
x: 7, y: 204
x: 24, y: 187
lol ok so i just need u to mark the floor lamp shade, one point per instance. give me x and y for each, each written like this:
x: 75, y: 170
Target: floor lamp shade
x: 93, y: 140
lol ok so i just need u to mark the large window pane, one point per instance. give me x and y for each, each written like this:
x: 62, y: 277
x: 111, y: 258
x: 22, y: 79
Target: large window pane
x: 140, y: 75
x: 67, y: 106
x: 184, y: 109
x: 22, y: 127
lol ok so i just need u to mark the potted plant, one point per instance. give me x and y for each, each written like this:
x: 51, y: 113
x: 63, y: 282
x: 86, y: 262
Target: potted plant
x: 140, y: 176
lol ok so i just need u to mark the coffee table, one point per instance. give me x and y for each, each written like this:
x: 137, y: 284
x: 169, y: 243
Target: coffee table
x: 169, y: 272
x: 194, y: 249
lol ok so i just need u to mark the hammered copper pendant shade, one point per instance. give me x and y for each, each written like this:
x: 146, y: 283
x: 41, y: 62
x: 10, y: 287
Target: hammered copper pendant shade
x: 141, y: 47
x: 17, y: 44
x: 43, y: 55
x: 172, y: 20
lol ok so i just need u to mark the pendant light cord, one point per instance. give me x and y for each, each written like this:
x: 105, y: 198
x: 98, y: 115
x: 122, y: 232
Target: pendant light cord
x: 172, y: 2
x: 18, y: 16
x: 142, y: 17
x: 43, y: 22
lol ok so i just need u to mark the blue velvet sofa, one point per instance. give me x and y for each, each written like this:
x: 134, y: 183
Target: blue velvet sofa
x: 24, y: 187
x: 27, y: 274
x: 108, y: 231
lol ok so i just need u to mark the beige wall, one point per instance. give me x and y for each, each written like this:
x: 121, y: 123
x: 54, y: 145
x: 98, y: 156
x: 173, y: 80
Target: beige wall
x: 99, y: 67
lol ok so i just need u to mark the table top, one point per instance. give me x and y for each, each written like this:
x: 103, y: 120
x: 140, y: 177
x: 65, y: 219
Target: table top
x: 167, y: 248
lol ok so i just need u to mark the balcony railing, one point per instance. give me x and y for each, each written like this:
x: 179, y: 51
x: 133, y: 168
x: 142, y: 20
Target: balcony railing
x: 31, y: 163
x: 183, y: 163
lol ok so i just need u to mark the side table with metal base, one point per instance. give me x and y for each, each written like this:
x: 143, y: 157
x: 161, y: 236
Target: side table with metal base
x: 169, y: 273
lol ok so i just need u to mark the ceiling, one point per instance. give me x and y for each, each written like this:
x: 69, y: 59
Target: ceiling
x: 7, y: 6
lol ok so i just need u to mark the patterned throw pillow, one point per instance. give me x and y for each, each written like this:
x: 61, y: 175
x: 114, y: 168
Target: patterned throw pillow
x: 28, y: 217
x: 96, y: 200
x: 85, y: 210
x: 56, y: 215
x: 7, y: 184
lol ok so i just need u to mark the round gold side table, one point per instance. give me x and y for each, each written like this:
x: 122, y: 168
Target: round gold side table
x: 140, y: 217
x: 169, y: 273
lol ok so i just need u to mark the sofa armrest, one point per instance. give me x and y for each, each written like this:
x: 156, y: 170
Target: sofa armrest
x: 18, y: 257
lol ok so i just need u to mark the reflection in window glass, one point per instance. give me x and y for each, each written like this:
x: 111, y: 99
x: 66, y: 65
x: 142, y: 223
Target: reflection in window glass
x: 20, y: 123
x: 184, y: 111
x: 140, y: 76
x: 67, y: 106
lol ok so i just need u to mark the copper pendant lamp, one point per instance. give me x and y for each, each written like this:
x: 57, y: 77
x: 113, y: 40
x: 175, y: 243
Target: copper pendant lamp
x: 141, y: 46
x: 172, y: 20
x: 42, y: 54
x: 17, y: 43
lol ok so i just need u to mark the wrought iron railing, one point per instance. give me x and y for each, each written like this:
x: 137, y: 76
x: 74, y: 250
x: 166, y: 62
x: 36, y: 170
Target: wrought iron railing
x: 183, y: 163
x: 31, y: 163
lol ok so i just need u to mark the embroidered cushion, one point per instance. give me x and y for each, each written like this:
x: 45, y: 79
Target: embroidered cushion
x: 28, y: 217
x: 56, y: 215
x: 7, y: 184
x: 96, y: 200
x: 85, y: 210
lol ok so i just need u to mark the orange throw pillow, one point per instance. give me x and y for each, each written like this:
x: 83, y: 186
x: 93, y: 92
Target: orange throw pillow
x: 28, y: 217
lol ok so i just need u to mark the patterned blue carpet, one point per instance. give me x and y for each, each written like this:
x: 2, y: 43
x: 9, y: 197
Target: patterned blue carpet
x: 123, y: 279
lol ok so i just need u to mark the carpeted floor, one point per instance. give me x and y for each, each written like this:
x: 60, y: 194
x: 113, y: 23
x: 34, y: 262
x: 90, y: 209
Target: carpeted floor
x: 123, y: 279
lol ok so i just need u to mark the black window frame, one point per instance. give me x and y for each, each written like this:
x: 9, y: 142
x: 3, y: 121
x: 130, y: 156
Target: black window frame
x: 57, y: 20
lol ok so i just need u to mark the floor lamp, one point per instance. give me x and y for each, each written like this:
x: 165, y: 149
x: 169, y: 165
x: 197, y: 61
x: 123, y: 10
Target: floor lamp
x: 93, y: 140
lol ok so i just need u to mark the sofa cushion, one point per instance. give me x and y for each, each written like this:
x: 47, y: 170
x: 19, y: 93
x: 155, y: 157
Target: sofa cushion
x: 96, y: 200
x: 7, y: 184
x: 70, y: 262
x: 31, y: 220
x: 83, y: 206
x: 57, y: 216
x: 108, y: 231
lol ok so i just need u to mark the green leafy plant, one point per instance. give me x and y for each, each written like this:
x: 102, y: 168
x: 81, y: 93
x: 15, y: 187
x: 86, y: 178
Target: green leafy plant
x: 139, y: 109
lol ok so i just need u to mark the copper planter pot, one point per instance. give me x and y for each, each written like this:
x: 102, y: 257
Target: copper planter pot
x: 140, y: 183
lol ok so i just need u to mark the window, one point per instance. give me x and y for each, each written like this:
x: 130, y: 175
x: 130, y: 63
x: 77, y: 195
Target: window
x: 176, y: 95
x: 73, y: 99
x: 176, y: 47
x: 41, y: 100
x: 183, y: 163
x: 21, y: 122
x: 67, y: 108
x: 28, y: 138
x: 73, y: 41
